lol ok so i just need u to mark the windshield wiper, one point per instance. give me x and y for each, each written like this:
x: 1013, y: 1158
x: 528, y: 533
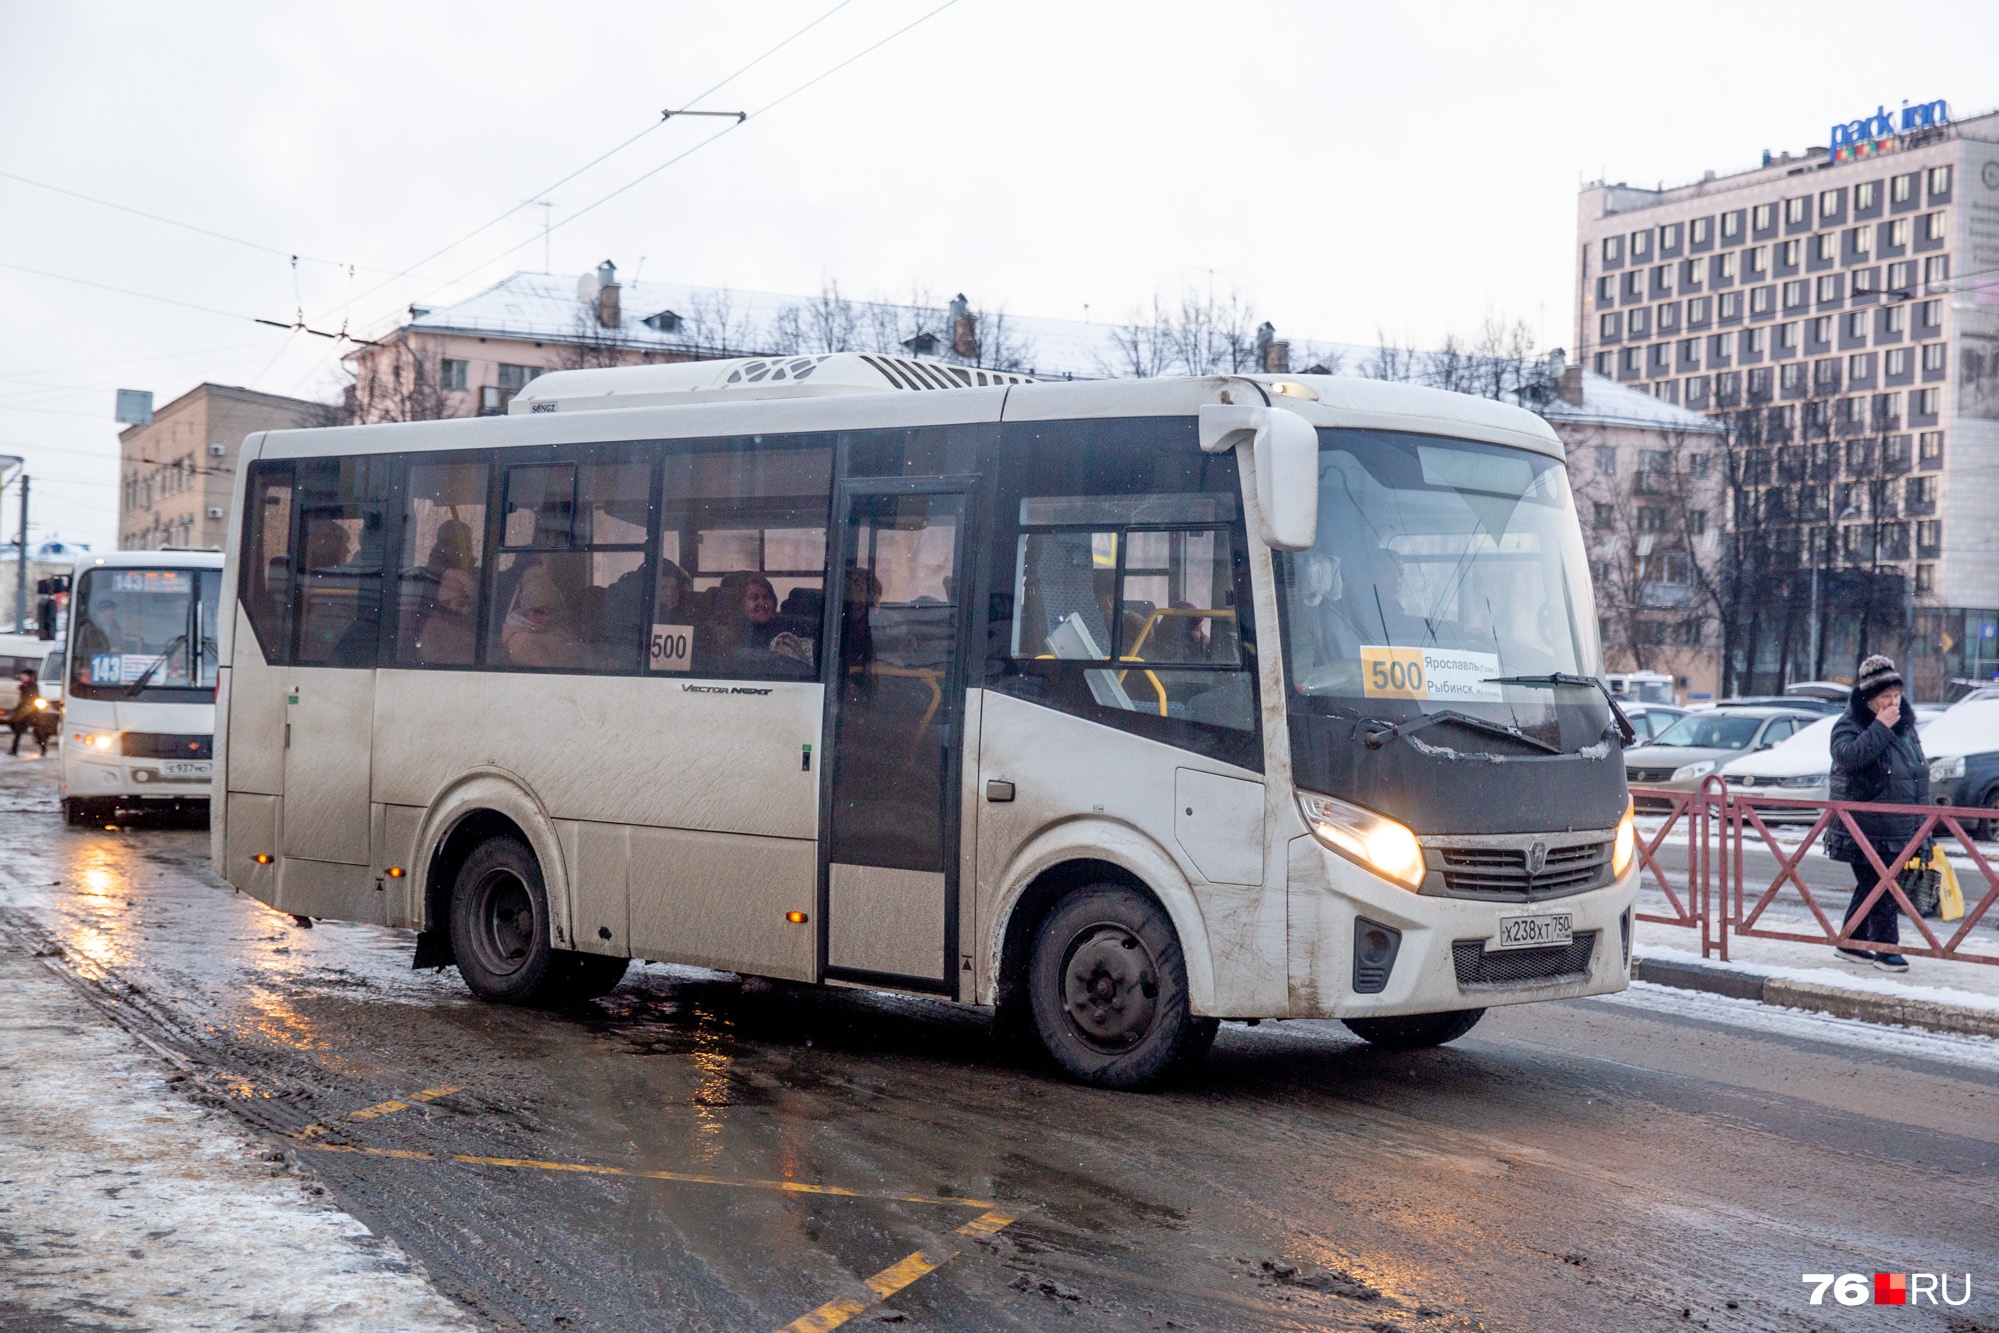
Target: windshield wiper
x: 1625, y: 732
x: 1374, y: 740
x: 132, y: 690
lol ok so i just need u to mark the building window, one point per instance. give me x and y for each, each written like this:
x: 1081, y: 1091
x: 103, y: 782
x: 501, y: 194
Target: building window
x: 1923, y: 490
x: 1936, y: 270
x: 1690, y: 353
x: 1717, y: 349
x: 1933, y: 355
x: 1697, y: 466
x: 1631, y: 281
x: 1668, y: 316
x: 1825, y: 375
x: 1641, y: 245
x: 1939, y: 181
x: 516, y: 377
x: 1929, y: 536
x: 1731, y: 226
x: 1651, y: 519
x: 1637, y: 324
x: 1822, y: 329
x: 453, y: 376
x: 1632, y: 359
x: 1730, y: 304
x: 1856, y: 326
x: 1897, y: 362
x: 1865, y: 281
x: 1900, y: 278
x: 1724, y: 267
x: 1795, y: 293
x: 1758, y: 262
x: 1898, y: 233
x: 1690, y: 275
x: 1698, y: 230
x: 1759, y: 384
x: 1697, y: 391
x: 1662, y: 280
x: 1828, y: 203
x: 1926, y: 577
x: 1894, y: 319
x: 1929, y: 315
x: 1929, y: 448
x: 1605, y: 516
x: 1887, y: 411
x: 1751, y: 342
x: 1926, y: 402
x: 1866, y: 195
x: 1697, y: 310
x: 1933, y: 226
x: 1763, y: 300
x: 1794, y: 210
x: 1763, y: 217
x: 1613, y: 249
x: 1606, y: 289
x: 1669, y: 236
x: 1604, y: 363
x: 1606, y: 459
x: 1669, y: 390
x: 1828, y: 288
x: 1788, y: 253
x: 1825, y: 247
x: 1895, y: 453
x: 1861, y: 240
x: 1610, y: 326
x: 1902, y: 189
x: 1787, y: 337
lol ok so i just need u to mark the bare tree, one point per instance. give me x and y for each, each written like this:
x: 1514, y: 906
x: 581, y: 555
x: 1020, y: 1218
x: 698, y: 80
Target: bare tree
x: 787, y: 331
x: 592, y: 345
x: 716, y: 325
x: 394, y: 381
x: 1001, y: 344
x: 830, y: 321
x: 1146, y: 348
x: 1390, y: 361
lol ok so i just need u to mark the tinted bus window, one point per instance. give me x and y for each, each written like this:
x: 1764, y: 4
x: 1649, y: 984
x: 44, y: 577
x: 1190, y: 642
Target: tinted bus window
x: 265, y: 574
x: 441, y: 568
x: 337, y: 604
x: 1121, y: 550
x: 742, y: 568
x: 145, y: 634
x: 570, y: 583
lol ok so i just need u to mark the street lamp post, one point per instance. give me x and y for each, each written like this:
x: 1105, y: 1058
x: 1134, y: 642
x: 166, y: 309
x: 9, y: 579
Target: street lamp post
x: 1831, y: 532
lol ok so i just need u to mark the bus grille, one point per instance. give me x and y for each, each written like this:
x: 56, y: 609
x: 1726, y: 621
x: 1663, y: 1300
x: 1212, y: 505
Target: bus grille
x: 1643, y: 776
x: 166, y: 745
x: 1516, y: 967
x: 1488, y: 871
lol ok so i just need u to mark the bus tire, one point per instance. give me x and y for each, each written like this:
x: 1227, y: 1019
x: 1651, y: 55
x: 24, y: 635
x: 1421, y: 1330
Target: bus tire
x: 78, y: 810
x: 500, y: 925
x: 1409, y: 1032
x: 1108, y: 988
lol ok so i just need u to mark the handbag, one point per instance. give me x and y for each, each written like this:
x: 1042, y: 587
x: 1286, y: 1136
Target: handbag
x: 1952, y: 907
x: 1923, y: 887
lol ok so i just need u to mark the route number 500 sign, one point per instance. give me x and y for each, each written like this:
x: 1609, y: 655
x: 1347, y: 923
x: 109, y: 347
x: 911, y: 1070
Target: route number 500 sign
x: 1394, y: 673
x: 1449, y: 675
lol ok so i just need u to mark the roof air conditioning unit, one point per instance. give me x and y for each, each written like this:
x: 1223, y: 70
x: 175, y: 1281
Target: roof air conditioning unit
x: 218, y: 450
x: 215, y: 511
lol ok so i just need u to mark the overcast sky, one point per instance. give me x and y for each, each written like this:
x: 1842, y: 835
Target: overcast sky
x: 1410, y: 169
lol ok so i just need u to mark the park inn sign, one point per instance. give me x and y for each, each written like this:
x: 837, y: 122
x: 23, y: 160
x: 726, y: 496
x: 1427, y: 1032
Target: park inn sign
x: 1864, y: 137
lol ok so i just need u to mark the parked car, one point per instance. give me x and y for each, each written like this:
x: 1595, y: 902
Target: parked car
x: 1819, y: 689
x: 1963, y: 746
x: 1799, y: 769
x: 1651, y: 720
x: 1804, y: 703
x: 1700, y: 743
x: 51, y: 674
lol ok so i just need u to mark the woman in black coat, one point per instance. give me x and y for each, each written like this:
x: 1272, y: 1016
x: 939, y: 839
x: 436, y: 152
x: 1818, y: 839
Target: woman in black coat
x: 1876, y: 756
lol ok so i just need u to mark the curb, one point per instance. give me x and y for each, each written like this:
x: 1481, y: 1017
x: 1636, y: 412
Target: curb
x: 1868, y: 1006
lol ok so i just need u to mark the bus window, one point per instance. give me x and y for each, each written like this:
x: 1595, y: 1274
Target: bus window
x: 266, y: 577
x: 569, y: 590
x: 337, y: 595
x: 440, y: 570
x: 741, y: 586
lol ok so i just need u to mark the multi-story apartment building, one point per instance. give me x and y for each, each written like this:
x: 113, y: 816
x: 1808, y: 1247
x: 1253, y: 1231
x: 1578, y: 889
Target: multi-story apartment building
x: 177, y: 472
x: 1839, y: 311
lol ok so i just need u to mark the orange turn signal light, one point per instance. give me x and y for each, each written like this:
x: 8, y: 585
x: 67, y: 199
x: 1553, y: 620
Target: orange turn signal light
x: 795, y: 918
x: 397, y: 872
x: 263, y: 858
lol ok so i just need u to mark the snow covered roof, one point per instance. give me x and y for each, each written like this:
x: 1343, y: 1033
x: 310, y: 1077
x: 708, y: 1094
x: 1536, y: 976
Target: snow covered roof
x: 711, y: 321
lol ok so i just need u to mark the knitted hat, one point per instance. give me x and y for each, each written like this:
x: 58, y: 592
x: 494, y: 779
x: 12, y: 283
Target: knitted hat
x: 1877, y: 673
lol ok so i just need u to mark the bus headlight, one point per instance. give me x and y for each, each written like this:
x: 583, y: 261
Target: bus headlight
x: 1624, y: 844
x: 1376, y: 841
x: 94, y: 740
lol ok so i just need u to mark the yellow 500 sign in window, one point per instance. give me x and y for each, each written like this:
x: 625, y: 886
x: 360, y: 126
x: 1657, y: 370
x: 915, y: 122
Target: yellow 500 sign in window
x: 1428, y: 673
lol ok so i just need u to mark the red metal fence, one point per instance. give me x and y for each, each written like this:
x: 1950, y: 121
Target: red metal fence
x: 1717, y: 894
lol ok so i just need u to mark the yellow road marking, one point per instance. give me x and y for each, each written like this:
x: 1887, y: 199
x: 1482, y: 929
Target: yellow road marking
x: 895, y: 1277
x: 380, y: 1109
x: 680, y: 1177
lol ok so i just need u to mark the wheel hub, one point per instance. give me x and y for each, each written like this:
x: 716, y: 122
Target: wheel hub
x: 504, y: 914
x: 1110, y: 987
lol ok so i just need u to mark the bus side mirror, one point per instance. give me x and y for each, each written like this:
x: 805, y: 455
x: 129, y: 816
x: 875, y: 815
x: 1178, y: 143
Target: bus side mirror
x: 1283, y: 453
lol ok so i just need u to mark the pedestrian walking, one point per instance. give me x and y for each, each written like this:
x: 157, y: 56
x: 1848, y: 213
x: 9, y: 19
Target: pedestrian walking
x: 1877, y: 757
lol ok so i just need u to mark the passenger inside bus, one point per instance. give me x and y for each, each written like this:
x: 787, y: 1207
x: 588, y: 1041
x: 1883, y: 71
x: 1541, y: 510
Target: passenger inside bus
x: 447, y: 634
x: 748, y: 636
x: 540, y: 630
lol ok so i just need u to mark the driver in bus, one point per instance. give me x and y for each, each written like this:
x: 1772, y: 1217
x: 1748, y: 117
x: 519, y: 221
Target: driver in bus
x: 95, y: 637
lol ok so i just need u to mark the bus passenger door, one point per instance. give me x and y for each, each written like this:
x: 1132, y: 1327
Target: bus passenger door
x: 895, y: 728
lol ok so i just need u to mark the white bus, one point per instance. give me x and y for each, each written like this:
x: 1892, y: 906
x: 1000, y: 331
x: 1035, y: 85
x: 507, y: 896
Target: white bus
x: 139, y: 691
x: 1122, y: 707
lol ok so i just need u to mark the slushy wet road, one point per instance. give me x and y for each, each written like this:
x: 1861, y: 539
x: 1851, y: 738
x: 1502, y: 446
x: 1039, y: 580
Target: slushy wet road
x: 700, y: 1152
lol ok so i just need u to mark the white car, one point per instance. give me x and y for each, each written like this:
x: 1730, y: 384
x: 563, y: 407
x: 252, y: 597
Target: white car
x: 1797, y: 769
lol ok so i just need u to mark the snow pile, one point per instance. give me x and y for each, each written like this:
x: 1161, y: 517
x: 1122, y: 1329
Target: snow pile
x: 125, y: 1206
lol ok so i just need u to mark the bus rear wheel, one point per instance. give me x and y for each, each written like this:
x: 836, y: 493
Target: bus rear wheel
x: 500, y: 925
x: 1409, y: 1032
x: 1107, y: 986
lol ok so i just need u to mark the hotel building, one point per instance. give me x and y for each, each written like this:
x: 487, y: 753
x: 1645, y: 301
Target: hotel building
x: 1842, y: 317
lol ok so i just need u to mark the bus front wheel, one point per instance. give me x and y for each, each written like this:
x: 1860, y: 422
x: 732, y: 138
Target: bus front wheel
x: 1108, y: 989
x: 500, y: 925
x: 1409, y: 1032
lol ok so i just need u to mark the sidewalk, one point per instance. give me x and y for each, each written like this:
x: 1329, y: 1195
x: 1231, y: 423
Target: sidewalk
x: 124, y: 1205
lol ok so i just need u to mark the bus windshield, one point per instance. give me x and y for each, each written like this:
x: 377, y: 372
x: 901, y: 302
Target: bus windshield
x: 145, y: 633
x: 1440, y: 565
